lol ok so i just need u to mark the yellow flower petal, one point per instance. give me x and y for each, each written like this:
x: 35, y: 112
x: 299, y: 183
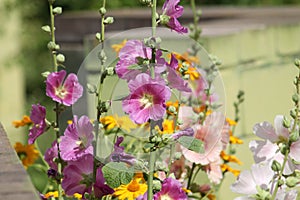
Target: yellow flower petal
x: 27, y: 153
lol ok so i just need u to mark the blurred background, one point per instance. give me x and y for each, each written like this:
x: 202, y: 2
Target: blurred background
x: 256, y: 40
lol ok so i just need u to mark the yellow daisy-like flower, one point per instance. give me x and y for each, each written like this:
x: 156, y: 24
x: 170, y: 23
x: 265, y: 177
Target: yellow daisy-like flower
x: 227, y: 168
x: 231, y: 122
x: 51, y: 194
x: 234, y: 139
x: 193, y: 73
x: 185, y: 57
x: 27, y: 153
x: 132, y: 190
x: 23, y: 122
x: 77, y: 196
x: 230, y: 158
x: 118, y: 47
x: 123, y: 122
x: 168, y: 126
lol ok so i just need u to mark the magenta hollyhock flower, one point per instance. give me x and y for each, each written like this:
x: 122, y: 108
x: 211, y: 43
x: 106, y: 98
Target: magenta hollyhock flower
x: 172, y: 10
x: 65, y: 91
x: 171, y: 189
x: 38, y: 117
x: 213, y: 133
x: 78, y: 176
x: 146, y: 99
x: 50, y: 155
x: 175, y: 80
x: 77, y: 139
x: 118, y: 155
x: 131, y: 54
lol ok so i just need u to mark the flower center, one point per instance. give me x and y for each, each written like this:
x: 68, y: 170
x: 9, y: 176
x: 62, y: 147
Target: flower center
x: 61, y: 92
x: 146, y: 100
x: 165, y: 197
x: 133, y: 186
x: 22, y: 155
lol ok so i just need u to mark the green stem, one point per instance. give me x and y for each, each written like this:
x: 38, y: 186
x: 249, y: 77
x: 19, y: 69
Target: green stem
x: 280, y: 175
x: 152, y: 153
x: 52, y: 33
x: 190, y: 176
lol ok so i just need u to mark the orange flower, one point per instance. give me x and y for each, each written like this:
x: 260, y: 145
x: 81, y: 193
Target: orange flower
x: 27, y: 153
x: 118, y: 47
x: 230, y: 158
x: 231, y: 122
x: 227, y: 168
x: 234, y: 139
x: 25, y: 121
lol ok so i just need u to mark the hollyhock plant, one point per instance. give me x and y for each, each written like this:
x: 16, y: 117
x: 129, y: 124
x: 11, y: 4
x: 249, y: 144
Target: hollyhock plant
x: 147, y: 98
x: 171, y: 189
x: 78, y: 176
x: 38, y: 117
x: 172, y: 11
x: 135, y: 52
x: 65, y: 91
x: 77, y: 139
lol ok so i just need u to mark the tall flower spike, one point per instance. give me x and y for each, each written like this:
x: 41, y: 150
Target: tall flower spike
x: 65, y: 91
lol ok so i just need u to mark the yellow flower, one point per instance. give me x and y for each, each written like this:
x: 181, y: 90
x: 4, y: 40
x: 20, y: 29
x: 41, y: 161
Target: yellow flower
x: 118, y: 47
x: 227, y: 168
x: 27, y: 153
x: 230, y: 158
x: 193, y: 73
x: 185, y: 57
x: 51, y: 194
x: 25, y: 121
x: 234, y: 140
x: 231, y: 122
x: 168, y: 126
x: 132, y: 190
x: 77, y: 196
x: 123, y: 122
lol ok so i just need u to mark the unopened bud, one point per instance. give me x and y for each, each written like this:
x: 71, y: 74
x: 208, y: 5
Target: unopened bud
x: 286, y: 122
x: 297, y: 62
x: 110, y: 71
x: 295, y: 98
x: 164, y: 19
x: 283, y: 148
x: 57, y: 10
x: 276, y: 166
x: 46, y: 28
x: 102, y: 11
x: 172, y: 109
x: 177, y: 155
x: 109, y: 20
x: 45, y: 74
x: 60, y: 58
x: 92, y: 89
x: 156, y: 185
x: 51, y: 45
x: 293, y: 114
x: 294, y: 136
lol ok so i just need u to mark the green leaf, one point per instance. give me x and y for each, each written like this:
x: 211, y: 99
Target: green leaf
x: 192, y: 144
x: 117, y: 173
x: 135, y: 67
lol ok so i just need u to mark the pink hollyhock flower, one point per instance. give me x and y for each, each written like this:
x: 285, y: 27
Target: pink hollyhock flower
x: 146, y: 99
x: 213, y: 133
x: 77, y: 139
x: 248, y: 181
x: 118, y: 155
x: 131, y: 54
x: 175, y: 80
x: 171, y: 189
x: 38, y: 117
x: 214, y: 171
x: 65, y: 91
x: 172, y: 10
x: 78, y: 176
x: 50, y: 155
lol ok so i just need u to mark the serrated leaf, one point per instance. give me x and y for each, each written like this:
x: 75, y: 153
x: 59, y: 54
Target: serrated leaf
x: 117, y: 173
x: 192, y: 144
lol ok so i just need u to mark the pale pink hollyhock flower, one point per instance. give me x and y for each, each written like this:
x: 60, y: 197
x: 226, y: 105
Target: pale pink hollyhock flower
x: 38, y: 117
x: 65, y: 91
x: 212, y: 133
x: 214, y: 171
x: 77, y: 139
x: 248, y: 181
x: 147, y: 98
x: 174, y: 11
x: 130, y: 54
x: 171, y: 189
x: 78, y: 176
